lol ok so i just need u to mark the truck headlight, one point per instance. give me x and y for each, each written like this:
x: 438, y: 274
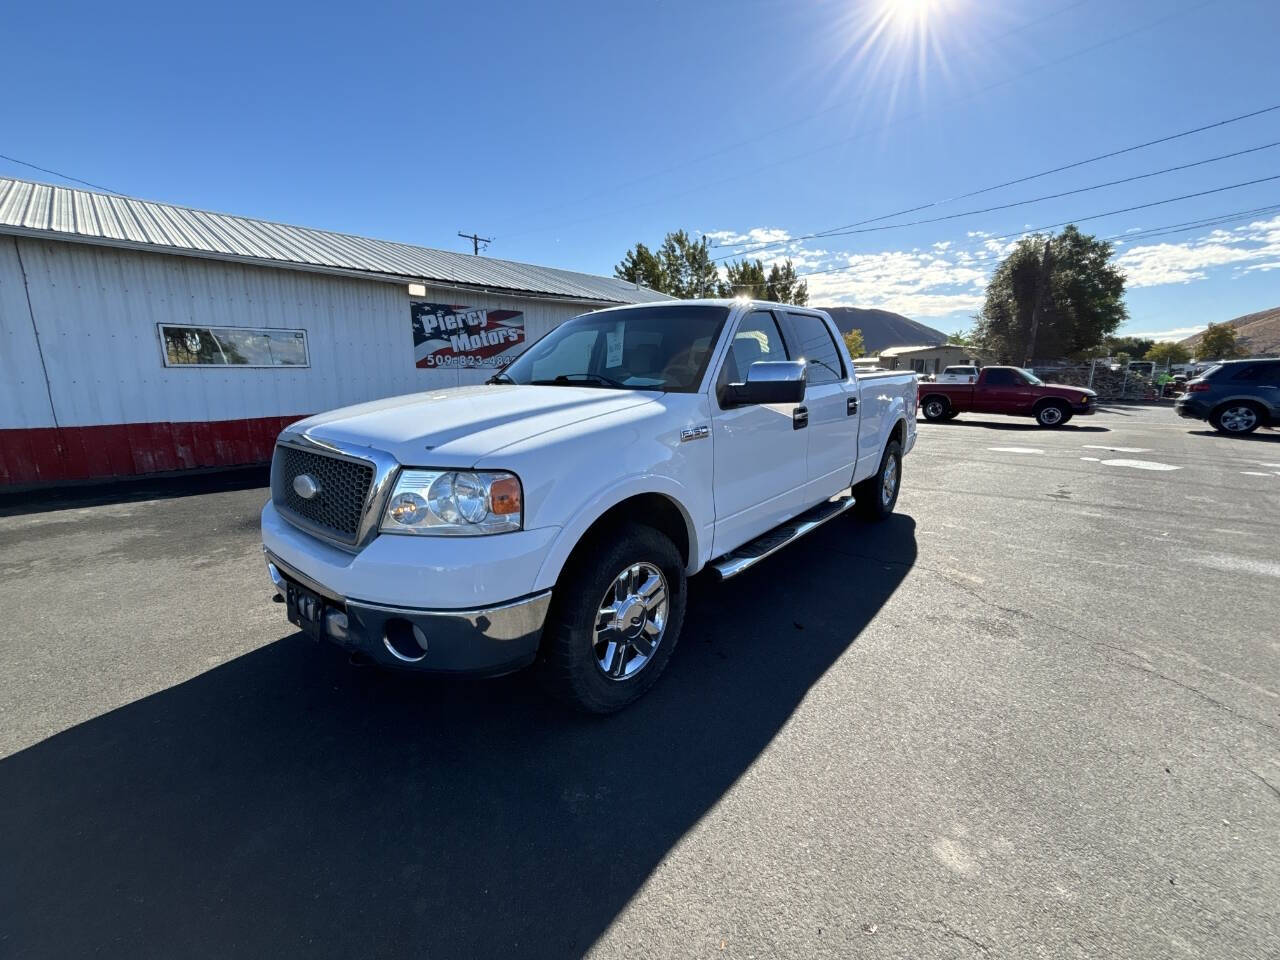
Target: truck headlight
x: 454, y: 503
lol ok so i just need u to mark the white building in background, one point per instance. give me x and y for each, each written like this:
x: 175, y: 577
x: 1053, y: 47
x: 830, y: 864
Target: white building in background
x: 138, y: 337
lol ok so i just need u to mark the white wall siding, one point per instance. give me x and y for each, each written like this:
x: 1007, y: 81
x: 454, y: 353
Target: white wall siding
x: 96, y: 309
x: 24, y: 401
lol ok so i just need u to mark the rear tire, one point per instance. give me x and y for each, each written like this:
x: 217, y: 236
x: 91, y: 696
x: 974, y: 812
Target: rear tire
x: 1236, y: 419
x: 599, y: 664
x: 877, y: 495
x: 936, y: 408
x: 1052, y: 415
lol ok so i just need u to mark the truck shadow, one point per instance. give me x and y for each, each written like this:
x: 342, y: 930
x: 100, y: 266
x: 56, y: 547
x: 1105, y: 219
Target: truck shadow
x: 286, y: 803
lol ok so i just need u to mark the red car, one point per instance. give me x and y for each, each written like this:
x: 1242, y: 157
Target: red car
x: 1011, y: 391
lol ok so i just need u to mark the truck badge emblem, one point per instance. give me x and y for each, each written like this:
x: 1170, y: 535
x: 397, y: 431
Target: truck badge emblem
x: 305, y: 486
x: 700, y: 432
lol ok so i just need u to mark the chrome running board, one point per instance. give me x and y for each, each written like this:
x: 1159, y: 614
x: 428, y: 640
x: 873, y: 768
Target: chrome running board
x: 771, y: 541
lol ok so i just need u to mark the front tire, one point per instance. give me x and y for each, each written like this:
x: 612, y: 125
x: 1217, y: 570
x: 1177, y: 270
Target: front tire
x: 1052, y: 415
x: 1236, y: 419
x: 877, y: 495
x: 615, y: 619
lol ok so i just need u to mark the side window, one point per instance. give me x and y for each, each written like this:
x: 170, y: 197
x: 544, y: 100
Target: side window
x: 1268, y: 373
x: 1000, y: 378
x: 813, y: 343
x: 757, y: 339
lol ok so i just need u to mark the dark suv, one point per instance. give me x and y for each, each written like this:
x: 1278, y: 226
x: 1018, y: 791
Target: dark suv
x: 1236, y: 396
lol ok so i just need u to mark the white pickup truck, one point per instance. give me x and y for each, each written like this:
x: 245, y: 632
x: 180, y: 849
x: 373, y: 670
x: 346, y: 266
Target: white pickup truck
x: 555, y: 513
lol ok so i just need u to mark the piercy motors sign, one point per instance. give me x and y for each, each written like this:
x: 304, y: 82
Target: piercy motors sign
x: 447, y: 335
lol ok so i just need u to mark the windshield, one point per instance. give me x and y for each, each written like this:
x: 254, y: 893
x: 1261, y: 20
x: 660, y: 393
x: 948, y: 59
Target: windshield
x: 1031, y: 377
x: 639, y: 348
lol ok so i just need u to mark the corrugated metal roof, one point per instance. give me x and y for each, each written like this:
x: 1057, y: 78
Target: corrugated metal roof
x: 31, y: 208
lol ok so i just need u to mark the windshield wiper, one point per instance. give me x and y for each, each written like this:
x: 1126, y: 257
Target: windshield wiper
x: 500, y: 378
x: 565, y: 379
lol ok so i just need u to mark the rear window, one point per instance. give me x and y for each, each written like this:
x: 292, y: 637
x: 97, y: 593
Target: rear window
x: 965, y: 371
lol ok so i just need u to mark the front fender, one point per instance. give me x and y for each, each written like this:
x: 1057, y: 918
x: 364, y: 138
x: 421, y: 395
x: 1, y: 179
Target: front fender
x: 606, y: 499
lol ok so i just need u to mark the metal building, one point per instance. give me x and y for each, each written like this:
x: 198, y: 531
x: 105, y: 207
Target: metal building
x: 138, y: 337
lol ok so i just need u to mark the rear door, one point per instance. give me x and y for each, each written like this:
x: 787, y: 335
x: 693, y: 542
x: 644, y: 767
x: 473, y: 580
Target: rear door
x: 832, y: 402
x: 758, y: 451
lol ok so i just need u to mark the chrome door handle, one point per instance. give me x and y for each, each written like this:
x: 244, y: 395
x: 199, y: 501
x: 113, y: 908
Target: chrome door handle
x: 800, y: 417
x: 851, y: 406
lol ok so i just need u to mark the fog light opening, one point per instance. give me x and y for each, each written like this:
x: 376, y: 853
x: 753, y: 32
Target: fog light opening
x: 404, y: 640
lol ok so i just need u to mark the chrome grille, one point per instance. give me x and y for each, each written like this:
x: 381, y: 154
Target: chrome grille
x: 336, y: 508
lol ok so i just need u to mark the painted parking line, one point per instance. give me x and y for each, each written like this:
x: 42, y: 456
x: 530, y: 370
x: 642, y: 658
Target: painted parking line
x: 1016, y: 449
x: 1135, y: 464
x: 1095, y: 446
x: 1257, y: 473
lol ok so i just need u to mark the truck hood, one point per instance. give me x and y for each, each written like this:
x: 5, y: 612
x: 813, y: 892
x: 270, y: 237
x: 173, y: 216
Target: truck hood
x: 456, y: 426
x: 1067, y: 392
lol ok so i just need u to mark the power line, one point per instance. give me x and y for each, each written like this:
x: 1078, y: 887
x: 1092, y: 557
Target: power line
x: 64, y: 176
x: 1063, y: 223
x: 781, y: 244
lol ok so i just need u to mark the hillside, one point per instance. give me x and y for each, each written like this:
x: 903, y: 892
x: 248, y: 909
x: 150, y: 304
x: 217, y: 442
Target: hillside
x: 882, y: 329
x: 1258, y: 332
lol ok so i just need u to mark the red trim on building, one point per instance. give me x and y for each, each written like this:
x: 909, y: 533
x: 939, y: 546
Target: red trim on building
x: 58, y: 454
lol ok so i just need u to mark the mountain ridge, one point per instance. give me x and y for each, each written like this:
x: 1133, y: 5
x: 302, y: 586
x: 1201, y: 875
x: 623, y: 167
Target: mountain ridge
x: 882, y: 329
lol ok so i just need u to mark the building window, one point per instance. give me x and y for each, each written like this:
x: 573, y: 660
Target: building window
x: 917, y: 366
x: 190, y: 346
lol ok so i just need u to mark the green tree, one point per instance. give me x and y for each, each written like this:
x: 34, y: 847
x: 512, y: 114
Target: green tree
x: 961, y: 338
x: 853, y: 340
x: 641, y: 266
x: 745, y: 278
x: 681, y: 267
x: 1134, y: 346
x: 1167, y: 354
x: 1082, y: 301
x: 687, y: 266
x: 1219, y: 342
x: 785, y: 287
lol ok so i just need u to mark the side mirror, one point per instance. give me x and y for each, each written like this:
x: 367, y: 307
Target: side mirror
x: 770, y: 381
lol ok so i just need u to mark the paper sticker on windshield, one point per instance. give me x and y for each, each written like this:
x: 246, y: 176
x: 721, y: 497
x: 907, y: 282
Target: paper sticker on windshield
x: 613, y: 348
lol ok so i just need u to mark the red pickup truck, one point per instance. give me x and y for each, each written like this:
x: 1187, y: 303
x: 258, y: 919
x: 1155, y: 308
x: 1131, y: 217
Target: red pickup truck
x: 1007, y: 390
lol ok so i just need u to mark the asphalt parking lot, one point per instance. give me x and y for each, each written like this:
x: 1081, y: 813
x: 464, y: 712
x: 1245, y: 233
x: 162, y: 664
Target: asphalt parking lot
x: 1037, y: 713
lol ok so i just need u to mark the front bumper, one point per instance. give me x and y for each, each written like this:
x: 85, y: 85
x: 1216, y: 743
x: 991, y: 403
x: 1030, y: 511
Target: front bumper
x: 490, y: 640
x: 1085, y: 409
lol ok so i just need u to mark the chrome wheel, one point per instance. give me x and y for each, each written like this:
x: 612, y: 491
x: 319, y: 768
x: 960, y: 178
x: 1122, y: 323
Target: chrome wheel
x: 1238, y: 419
x: 889, y: 482
x: 934, y: 409
x: 631, y: 621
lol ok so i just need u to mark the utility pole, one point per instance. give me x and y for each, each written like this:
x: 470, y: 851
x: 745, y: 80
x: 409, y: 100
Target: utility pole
x: 476, y: 240
x: 1042, y: 281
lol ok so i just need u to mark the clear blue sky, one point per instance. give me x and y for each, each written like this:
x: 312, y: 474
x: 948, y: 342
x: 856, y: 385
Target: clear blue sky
x: 568, y: 131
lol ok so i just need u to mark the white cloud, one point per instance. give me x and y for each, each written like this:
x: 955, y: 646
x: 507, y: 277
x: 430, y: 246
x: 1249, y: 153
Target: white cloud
x: 1152, y: 265
x: 729, y: 238
x: 948, y: 278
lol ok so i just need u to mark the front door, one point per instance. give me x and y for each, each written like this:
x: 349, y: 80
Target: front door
x: 759, y: 452
x: 1003, y: 391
